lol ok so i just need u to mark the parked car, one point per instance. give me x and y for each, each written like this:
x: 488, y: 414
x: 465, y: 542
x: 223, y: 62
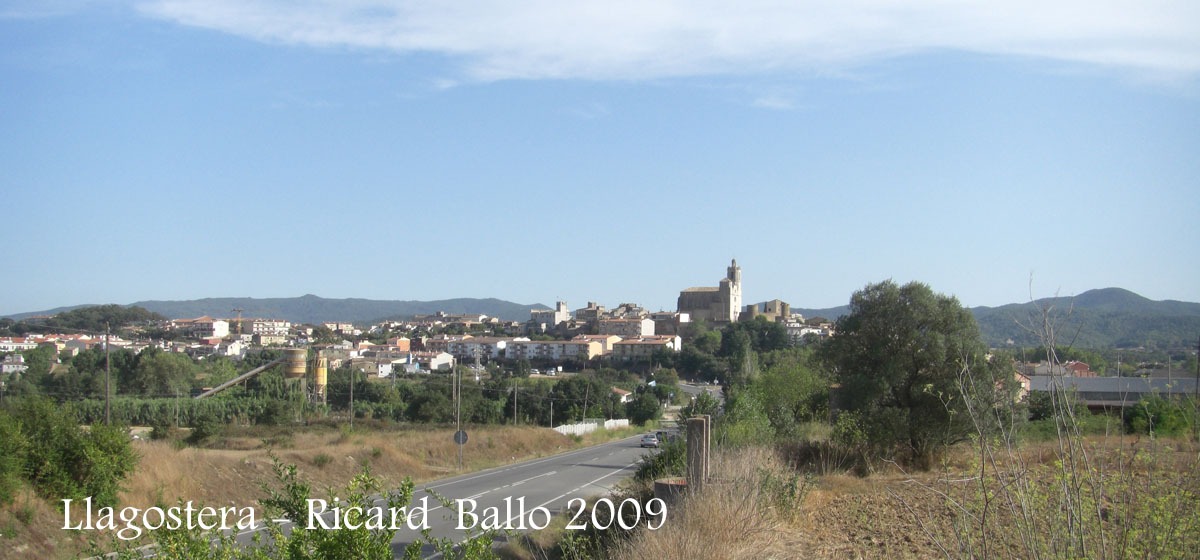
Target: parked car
x: 650, y: 440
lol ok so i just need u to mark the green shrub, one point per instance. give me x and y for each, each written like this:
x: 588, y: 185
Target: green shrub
x: 70, y: 462
x: 1161, y: 417
x: 670, y: 460
x: 12, y: 457
x: 204, y: 429
x: 322, y: 459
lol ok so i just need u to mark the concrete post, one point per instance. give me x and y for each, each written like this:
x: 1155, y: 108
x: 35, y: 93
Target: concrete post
x: 697, y: 452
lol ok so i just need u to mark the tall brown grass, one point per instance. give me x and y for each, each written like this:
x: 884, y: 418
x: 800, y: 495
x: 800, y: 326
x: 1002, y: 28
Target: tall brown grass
x: 233, y: 473
x: 739, y: 514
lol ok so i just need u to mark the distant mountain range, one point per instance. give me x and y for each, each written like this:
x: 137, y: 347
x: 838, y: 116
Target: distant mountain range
x: 314, y: 309
x: 1106, y: 318
x: 1111, y: 317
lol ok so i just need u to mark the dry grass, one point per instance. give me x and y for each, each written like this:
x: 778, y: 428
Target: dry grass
x: 735, y: 517
x: 1148, y: 488
x: 234, y: 473
x: 329, y: 458
x: 895, y: 514
x: 32, y: 528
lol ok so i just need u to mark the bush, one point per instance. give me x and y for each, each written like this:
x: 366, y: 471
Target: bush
x: 12, y: 457
x: 670, y: 460
x: 1160, y: 417
x: 205, y: 428
x: 160, y: 429
x: 322, y: 459
x: 69, y: 462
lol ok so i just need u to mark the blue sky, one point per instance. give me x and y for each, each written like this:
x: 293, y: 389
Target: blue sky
x: 596, y: 151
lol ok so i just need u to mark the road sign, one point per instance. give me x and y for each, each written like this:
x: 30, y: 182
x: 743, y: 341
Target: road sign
x: 460, y: 437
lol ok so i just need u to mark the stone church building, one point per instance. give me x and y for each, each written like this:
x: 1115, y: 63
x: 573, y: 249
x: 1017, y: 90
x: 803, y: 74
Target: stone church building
x: 721, y: 304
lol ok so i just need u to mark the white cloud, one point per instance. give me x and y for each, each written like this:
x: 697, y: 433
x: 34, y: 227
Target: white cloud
x: 590, y: 111
x: 639, y: 39
x: 774, y: 101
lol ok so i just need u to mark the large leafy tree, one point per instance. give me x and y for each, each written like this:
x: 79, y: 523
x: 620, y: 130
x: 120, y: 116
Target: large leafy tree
x: 912, y: 369
x: 161, y: 374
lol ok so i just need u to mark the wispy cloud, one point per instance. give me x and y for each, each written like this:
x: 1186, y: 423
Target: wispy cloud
x: 635, y: 39
x: 590, y: 111
x: 774, y: 101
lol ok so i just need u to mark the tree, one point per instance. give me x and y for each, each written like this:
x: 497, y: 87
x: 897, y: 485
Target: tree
x: 900, y: 355
x: 702, y: 404
x: 643, y: 409
x: 163, y: 374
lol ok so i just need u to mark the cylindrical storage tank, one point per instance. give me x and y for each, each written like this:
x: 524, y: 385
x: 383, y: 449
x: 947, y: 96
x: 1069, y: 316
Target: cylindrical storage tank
x: 322, y: 373
x: 297, y: 362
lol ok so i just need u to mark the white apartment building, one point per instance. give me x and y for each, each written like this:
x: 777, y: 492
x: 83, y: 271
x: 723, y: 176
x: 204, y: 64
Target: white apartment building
x: 554, y: 350
x: 627, y: 328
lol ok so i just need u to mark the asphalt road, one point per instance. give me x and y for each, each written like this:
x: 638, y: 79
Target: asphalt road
x: 510, y: 495
x: 549, y: 483
x: 693, y: 390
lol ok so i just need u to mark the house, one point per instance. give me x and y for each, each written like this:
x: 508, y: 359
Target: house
x: 202, y: 327
x: 606, y: 341
x: 1079, y: 369
x: 234, y: 349
x: 486, y: 347
x: 1072, y: 368
x: 1025, y: 383
x: 593, y: 312
x: 13, y: 364
x: 643, y: 348
x: 623, y: 396
x: 377, y: 367
x: 441, y: 342
x: 269, y: 339
x: 269, y: 327
x: 669, y: 322
x: 797, y: 331
x: 426, y: 362
x: 542, y: 320
x: 17, y: 344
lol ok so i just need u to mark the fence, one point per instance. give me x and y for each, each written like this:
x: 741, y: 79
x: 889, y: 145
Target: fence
x: 589, y: 426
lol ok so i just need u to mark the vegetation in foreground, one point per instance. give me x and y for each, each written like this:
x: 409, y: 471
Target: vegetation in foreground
x: 903, y: 437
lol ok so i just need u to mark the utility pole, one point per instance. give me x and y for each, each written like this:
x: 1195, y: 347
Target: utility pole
x: 1197, y: 387
x: 514, y: 400
x: 551, y: 413
x: 351, y: 400
x: 587, y: 389
x: 458, y: 410
x: 107, y: 379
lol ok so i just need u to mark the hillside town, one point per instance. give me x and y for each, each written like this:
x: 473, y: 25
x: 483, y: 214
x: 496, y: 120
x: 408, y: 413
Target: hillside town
x: 550, y: 338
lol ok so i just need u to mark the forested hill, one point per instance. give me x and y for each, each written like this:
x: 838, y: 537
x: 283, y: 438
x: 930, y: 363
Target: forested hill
x: 1111, y: 317
x: 1105, y: 318
x: 314, y: 309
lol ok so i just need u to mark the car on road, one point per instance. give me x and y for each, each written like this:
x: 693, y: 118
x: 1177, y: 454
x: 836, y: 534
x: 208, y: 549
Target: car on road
x: 649, y: 440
